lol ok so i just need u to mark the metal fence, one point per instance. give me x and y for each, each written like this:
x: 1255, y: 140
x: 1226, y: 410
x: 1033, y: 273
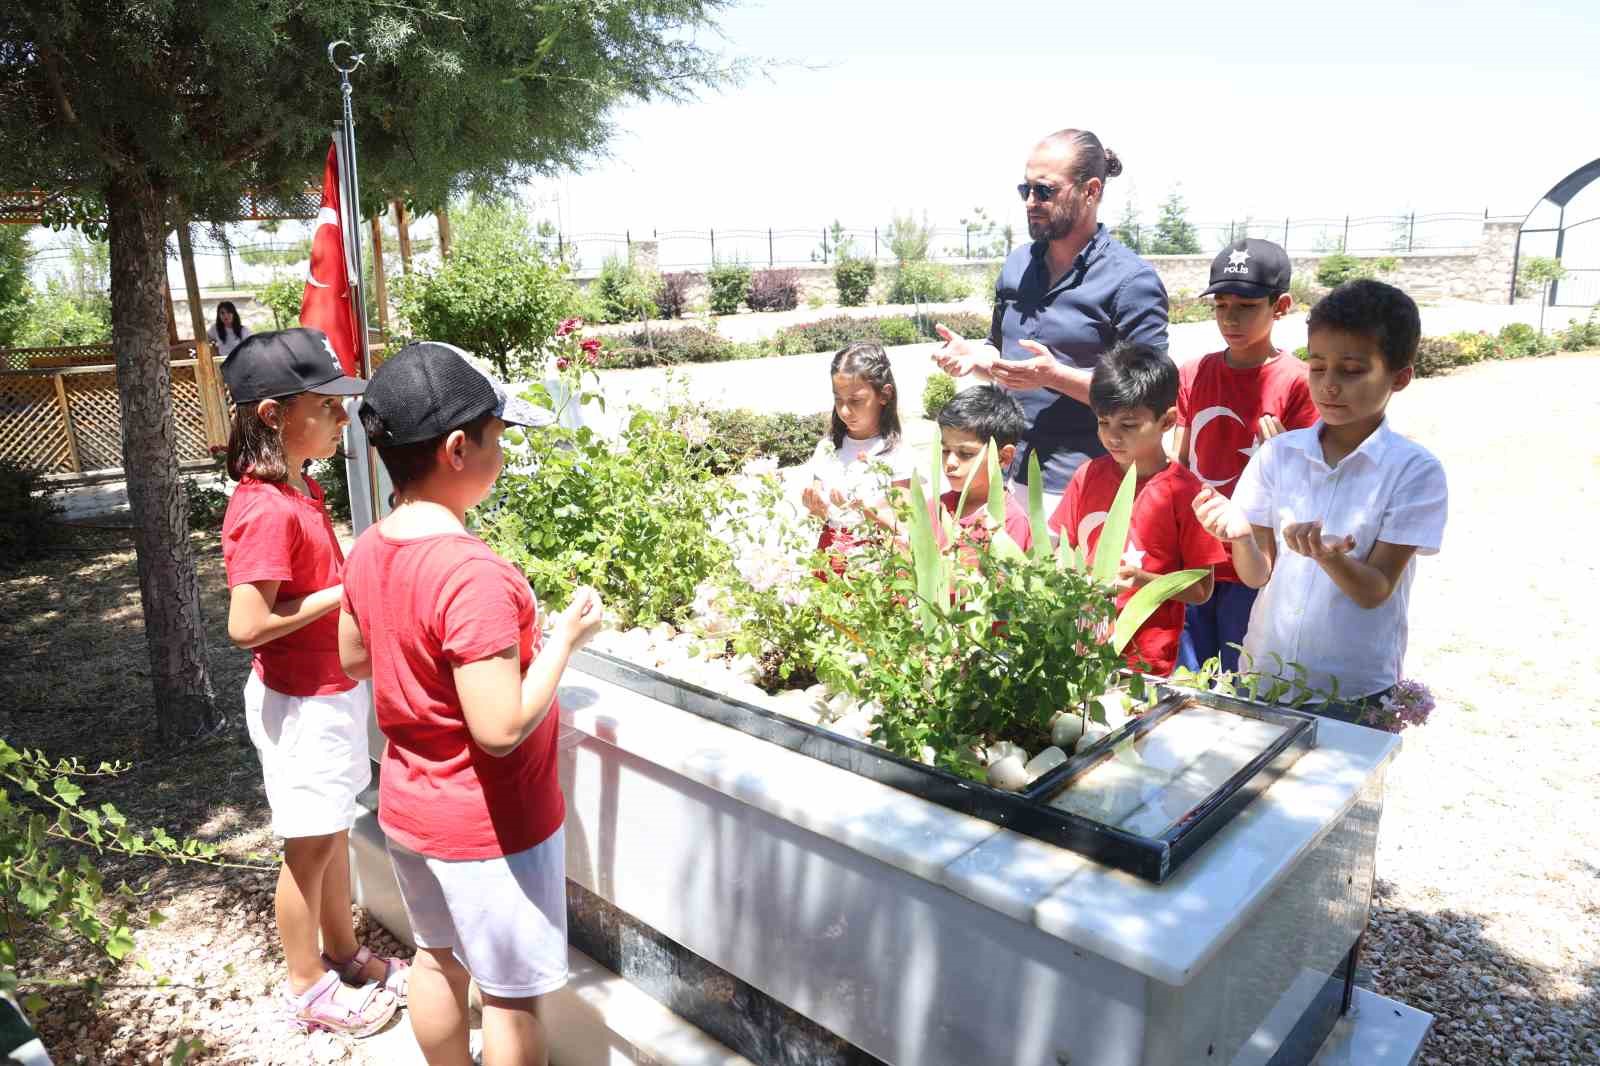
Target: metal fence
x: 697, y: 249
x: 1580, y: 288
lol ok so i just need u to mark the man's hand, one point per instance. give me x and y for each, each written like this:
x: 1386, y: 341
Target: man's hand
x: 1308, y: 539
x: 1268, y: 427
x: 1220, y: 516
x: 1036, y: 373
x: 959, y: 356
x: 581, y: 620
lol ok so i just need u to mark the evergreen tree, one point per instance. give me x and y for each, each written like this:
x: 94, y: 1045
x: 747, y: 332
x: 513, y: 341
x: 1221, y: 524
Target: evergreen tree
x: 1174, y: 233
x: 138, y: 117
x: 1128, y: 230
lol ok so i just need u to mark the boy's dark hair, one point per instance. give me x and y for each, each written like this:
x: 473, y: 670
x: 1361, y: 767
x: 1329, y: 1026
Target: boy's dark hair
x: 1372, y: 309
x: 988, y: 412
x: 254, y: 447
x: 870, y: 363
x: 409, y: 463
x: 1134, y: 375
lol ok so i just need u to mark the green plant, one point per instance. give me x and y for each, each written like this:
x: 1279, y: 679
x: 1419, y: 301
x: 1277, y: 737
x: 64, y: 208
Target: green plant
x: 729, y: 282
x: 1476, y: 347
x: 1519, y: 340
x: 897, y: 330
x: 282, y: 296
x: 1184, y: 307
x: 686, y: 344
x: 1580, y: 336
x: 1535, y: 273
x: 205, y: 504
x: 332, y: 475
x: 1174, y: 233
x: 908, y: 238
x: 497, y: 295
x: 27, y: 514
x: 58, y: 317
x: 15, y: 288
x: 51, y: 841
x: 774, y: 290
x: 923, y: 282
x: 1304, y: 293
x: 1336, y: 269
x: 629, y: 517
x: 725, y: 440
x: 815, y: 301
x: 625, y: 292
x: 1127, y: 229
x: 1437, y: 355
x: 940, y: 390
x: 853, y: 278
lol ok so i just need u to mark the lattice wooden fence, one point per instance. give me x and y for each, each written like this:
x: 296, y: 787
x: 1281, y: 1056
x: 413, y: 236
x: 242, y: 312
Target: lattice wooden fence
x: 67, y: 421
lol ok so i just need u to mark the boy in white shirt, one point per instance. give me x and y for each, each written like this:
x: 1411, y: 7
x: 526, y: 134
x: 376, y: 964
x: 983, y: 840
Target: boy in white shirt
x: 1329, y: 519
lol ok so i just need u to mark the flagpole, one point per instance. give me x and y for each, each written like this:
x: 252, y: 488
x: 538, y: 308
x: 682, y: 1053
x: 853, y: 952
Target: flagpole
x: 362, y: 475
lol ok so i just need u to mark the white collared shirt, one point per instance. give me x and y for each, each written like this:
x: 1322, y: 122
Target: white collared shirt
x: 1389, y: 489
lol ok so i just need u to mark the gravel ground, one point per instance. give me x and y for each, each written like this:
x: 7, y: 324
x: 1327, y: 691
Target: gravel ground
x: 1488, y: 905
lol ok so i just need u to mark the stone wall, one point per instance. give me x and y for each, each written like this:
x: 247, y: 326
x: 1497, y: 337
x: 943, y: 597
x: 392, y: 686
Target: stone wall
x: 1483, y: 274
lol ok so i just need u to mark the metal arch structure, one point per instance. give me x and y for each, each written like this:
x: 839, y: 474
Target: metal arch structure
x: 1561, y: 194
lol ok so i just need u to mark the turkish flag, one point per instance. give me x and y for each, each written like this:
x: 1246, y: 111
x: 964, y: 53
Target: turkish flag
x: 327, y: 302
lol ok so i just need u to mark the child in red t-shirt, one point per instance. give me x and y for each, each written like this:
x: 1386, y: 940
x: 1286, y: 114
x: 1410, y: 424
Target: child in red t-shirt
x: 1229, y: 403
x: 972, y: 418
x: 465, y: 690
x: 308, y: 720
x: 1132, y: 394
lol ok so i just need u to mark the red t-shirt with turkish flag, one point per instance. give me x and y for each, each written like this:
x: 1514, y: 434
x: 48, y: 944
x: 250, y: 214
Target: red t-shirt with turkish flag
x: 425, y: 606
x: 1222, y: 405
x: 273, y: 532
x: 1163, y: 536
x: 1017, y: 524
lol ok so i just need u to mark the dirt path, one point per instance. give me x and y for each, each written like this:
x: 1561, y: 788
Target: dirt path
x: 1489, y: 904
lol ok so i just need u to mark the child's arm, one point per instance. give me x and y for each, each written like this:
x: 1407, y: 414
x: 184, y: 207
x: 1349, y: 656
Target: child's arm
x: 354, y: 658
x: 256, y: 615
x: 1368, y: 582
x: 503, y: 706
x: 1254, y: 548
x: 1131, y: 577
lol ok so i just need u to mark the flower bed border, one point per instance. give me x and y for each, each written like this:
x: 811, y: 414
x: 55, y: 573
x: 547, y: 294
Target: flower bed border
x: 1152, y: 858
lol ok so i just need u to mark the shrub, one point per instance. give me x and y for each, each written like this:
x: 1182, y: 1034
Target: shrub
x: 629, y: 518
x: 897, y: 330
x: 774, y: 290
x: 1476, y: 347
x: 1336, y: 269
x: 669, y: 347
x: 968, y: 324
x: 940, y: 390
x: 672, y: 298
x: 1579, y: 336
x: 923, y: 282
x: 57, y: 317
x: 909, y: 239
x: 625, y: 293
x: 1186, y: 308
x: 853, y: 278
x: 1518, y: 340
x: 729, y: 282
x: 330, y: 474
x: 826, y: 335
x: 27, y: 515
x: 205, y: 504
x: 1437, y: 355
x: 282, y: 296
x: 726, y: 440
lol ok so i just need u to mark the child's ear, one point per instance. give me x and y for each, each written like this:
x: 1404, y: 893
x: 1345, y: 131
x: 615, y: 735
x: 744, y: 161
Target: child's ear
x: 455, y: 449
x: 1402, y: 378
x: 886, y: 394
x: 1006, y: 454
x: 1169, y: 419
x: 1282, y: 305
x: 271, y: 413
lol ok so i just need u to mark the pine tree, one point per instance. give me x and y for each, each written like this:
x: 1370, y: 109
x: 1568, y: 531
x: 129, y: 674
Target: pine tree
x: 1174, y: 233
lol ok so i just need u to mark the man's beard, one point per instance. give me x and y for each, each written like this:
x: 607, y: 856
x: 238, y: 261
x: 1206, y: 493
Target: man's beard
x: 1060, y: 223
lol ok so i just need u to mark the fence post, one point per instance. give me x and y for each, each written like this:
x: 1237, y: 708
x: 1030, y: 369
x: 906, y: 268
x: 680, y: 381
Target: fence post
x: 1344, y: 243
x: 969, y: 242
x: 874, y: 244
x: 713, y: 233
x: 770, y: 262
x: 824, y: 244
x: 627, y: 237
x: 1411, y: 232
x: 1286, y: 235
x: 66, y: 423
x: 1230, y: 231
x: 561, y: 245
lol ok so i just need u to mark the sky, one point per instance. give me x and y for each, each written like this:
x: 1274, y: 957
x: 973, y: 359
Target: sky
x: 1266, y: 110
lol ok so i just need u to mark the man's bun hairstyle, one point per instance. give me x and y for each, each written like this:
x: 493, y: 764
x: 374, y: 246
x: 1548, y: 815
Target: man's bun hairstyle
x: 1090, y: 158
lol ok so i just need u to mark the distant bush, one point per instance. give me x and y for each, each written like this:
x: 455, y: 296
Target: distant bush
x: 670, y: 347
x: 626, y: 293
x: 1336, y: 269
x: 729, y: 439
x: 924, y: 282
x: 330, y: 474
x: 897, y: 330
x: 205, y: 504
x: 27, y: 515
x: 1437, y: 355
x: 1519, y: 340
x: 1580, y: 336
x: 672, y: 298
x: 967, y: 324
x: 1476, y: 347
x: 1182, y: 307
x: 940, y: 390
x: 853, y: 278
x: 282, y: 296
x: 774, y: 290
x: 729, y: 282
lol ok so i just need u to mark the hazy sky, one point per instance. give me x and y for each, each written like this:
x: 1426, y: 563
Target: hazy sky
x: 1308, y: 109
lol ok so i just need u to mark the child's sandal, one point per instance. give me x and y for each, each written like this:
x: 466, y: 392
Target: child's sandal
x: 353, y: 970
x: 317, y: 1008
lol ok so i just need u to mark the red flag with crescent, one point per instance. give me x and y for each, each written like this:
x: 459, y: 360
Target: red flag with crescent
x: 326, y: 304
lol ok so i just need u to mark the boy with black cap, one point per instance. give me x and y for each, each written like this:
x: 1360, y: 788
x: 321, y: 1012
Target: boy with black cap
x: 465, y: 689
x: 1229, y: 403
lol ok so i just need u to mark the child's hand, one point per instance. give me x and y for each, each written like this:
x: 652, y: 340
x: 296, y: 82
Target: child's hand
x: 1308, y: 539
x: 813, y: 500
x: 1220, y: 516
x: 581, y: 620
x: 1130, y: 578
x: 1268, y: 427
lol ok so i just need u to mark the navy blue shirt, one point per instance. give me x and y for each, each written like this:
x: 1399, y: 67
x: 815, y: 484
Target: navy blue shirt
x: 1108, y: 295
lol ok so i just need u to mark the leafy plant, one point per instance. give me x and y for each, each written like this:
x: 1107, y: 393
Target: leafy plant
x: 922, y: 282
x: 282, y: 296
x: 774, y: 290
x: 1174, y: 233
x: 1519, y: 340
x: 1128, y: 230
x: 729, y: 282
x: 1186, y: 307
x: 625, y: 292
x: 897, y: 330
x: 1535, y: 274
x: 58, y: 317
x: 1580, y: 336
x: 1336, y: 269
x: 726, y: 440
x: 1437, y: 355
x: 853, y: 278
x: 909, y: 239
x: 672, y: 298
x: 27, y: 514
x: 332, y: 476
x: 687, y: 344
x: 206, y: 505
x: 940, y: 390
x: 15, y: 288
x: 629, y: 517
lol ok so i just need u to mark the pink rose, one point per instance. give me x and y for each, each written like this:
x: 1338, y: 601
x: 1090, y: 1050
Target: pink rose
x: 592, y: 344
x: 593, y: 358
x: 562, y: 364
x: 568, y: 326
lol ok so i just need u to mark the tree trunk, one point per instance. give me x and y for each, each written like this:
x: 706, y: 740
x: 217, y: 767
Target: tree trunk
x: 169, y: 590
x: 443, y: 215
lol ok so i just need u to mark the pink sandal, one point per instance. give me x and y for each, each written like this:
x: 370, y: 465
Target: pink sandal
x: 317, y: 1008
x: 353, y: 970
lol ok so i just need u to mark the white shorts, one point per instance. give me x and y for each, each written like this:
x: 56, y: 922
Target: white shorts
x: 313, y: 752
x: 504, y: 919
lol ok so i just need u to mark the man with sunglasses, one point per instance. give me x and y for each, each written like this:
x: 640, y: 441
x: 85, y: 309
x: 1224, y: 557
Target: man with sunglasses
x: 1060, y: 303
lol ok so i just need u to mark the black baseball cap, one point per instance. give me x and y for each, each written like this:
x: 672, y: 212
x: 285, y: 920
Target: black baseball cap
x: 429, y: 388
x: 1250, y: 267
x: 284, y: 362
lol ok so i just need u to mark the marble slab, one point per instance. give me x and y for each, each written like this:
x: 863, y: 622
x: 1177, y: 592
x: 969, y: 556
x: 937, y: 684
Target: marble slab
x: 1377, y: 1032
x: 1167, y: 932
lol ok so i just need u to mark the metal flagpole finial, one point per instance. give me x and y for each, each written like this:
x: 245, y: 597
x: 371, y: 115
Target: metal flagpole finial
x: 353, y: 58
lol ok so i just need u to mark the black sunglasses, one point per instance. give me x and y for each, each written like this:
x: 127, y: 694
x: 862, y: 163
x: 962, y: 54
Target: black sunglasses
x: 1044, y: 193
